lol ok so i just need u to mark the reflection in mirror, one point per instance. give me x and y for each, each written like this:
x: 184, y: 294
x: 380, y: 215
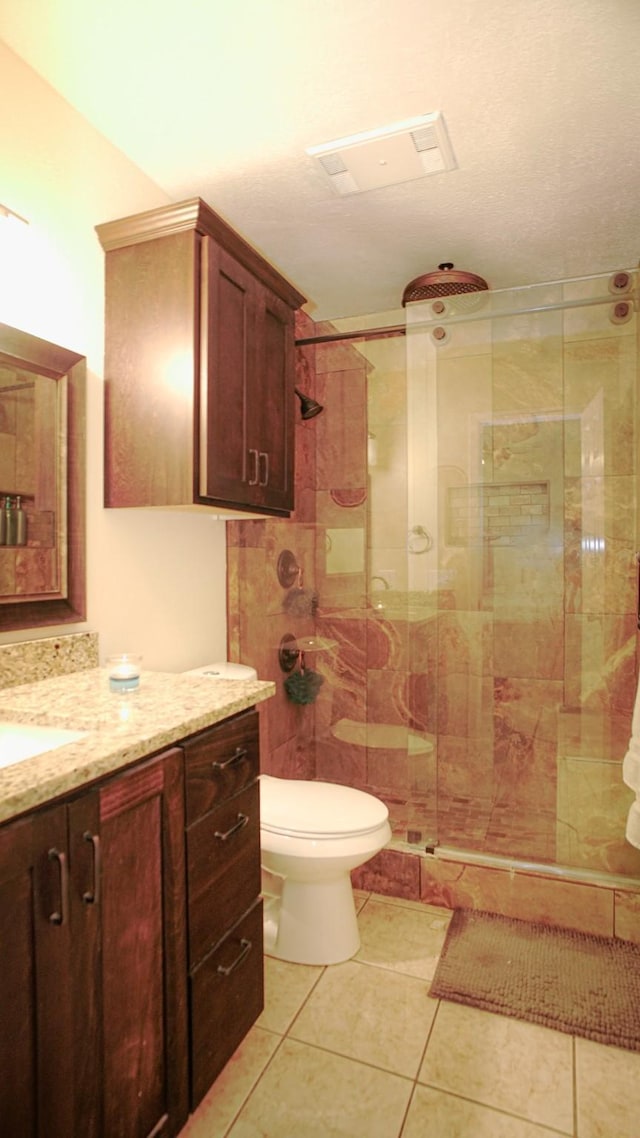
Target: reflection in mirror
x: 42, y: 475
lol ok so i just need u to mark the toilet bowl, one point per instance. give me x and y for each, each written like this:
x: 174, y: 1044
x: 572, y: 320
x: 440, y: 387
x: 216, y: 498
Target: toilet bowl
x: 312, y: 834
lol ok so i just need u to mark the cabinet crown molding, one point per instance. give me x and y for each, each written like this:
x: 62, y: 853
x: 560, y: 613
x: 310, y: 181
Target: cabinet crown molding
x: 194, y: 214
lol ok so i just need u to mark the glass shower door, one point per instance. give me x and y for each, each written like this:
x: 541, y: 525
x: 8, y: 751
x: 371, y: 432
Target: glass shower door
x: 522, y: 439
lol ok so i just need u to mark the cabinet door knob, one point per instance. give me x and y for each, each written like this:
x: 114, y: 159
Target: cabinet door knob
x: 92, y: 896
x: 245, y: 949
x: 60, y: 916
x: 253, y: 479
x: 239, y: 753
x: 263, y: 467
x: 235, y: 829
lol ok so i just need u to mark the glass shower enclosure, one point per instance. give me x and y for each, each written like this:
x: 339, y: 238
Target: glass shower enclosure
x: 493, y: 607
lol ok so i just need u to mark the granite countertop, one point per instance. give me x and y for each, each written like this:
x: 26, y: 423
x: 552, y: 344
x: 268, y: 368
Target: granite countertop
x: 165, y: 708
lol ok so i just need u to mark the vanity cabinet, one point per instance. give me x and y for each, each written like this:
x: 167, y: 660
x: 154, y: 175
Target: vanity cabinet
x: 40, y: 1091
x: 131, y: 942
x: 93, y: 1039
x: 199, y: 366
x: 225, y: 932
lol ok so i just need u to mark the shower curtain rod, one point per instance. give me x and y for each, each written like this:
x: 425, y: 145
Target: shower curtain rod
x: 464, y: 318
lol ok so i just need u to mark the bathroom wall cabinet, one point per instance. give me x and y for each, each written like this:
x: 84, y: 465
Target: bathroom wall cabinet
x: 199, y: 366
x: 111, y: 1028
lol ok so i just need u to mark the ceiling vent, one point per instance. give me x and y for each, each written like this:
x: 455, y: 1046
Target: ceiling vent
x: 386, y: 156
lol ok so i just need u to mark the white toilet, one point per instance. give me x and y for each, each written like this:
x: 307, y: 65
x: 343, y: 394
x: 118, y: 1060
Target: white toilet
x: 312, y: 834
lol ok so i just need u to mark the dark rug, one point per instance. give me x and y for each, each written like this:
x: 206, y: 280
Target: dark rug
x: 575, y: 982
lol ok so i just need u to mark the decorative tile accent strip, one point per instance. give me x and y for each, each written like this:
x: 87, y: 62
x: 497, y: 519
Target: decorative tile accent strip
x: 28, y: 661
x: 504, y: 513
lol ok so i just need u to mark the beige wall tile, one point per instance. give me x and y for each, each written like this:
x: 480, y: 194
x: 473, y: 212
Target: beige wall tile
x: 627, y: 914
x: 567, y: 904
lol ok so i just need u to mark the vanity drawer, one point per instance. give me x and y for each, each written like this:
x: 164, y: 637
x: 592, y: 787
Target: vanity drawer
x: 223, y: 868
x: 219, y: 762
x: 227, y: 989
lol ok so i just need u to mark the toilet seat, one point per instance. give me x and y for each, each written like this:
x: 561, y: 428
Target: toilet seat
x: 299, y: 808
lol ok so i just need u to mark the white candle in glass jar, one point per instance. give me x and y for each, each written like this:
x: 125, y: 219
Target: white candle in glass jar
x: 124, y: 672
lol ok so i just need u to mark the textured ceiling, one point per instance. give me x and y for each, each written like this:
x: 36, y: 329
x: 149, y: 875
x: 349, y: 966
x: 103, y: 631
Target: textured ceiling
x: 541, y: 99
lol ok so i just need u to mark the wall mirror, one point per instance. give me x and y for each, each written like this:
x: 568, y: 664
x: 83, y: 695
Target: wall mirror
x: 42, y: 482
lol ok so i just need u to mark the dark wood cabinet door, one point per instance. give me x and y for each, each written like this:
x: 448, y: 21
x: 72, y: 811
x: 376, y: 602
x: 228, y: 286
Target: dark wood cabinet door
x: 228, y: 456
x: 83, y: 824
x: 271, y: 401
x: 18, y: 1103
x: 143, y: 971
x: 40, y: 1089
x: 247, y: 387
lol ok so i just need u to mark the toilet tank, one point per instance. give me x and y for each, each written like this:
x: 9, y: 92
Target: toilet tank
x: 224, y: 670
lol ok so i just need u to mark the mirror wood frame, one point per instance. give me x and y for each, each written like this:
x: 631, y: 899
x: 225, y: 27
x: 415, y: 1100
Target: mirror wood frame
x: 30, y: 353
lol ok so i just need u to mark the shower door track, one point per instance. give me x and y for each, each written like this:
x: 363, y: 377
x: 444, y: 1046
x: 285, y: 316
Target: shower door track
x: 537, y: 868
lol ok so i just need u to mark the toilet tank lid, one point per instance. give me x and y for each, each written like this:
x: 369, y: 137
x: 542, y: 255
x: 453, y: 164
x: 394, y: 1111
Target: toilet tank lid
x: 224, y: 670
x: 318, y: 809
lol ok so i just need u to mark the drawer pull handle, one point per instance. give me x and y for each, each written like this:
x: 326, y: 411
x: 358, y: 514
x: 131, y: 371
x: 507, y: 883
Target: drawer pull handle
x: 245, y: 949
x: 239, y: 825
x: 59, y: 917
x: 92, y: 896
x: 239, y: 753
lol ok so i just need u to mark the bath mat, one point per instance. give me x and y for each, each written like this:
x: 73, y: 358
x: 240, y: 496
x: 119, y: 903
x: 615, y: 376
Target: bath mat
x: 575, y: 982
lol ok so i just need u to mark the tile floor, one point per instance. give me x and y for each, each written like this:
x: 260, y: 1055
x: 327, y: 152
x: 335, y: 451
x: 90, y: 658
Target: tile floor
x: 359, y: 1050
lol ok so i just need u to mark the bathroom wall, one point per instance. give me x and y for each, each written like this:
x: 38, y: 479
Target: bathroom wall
x: 145, y: 592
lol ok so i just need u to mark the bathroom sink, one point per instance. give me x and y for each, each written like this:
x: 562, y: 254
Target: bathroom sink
x: 20, y: 741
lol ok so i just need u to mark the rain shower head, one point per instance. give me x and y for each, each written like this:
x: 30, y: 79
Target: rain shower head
x: 446, y: 281
x: 308, y: 407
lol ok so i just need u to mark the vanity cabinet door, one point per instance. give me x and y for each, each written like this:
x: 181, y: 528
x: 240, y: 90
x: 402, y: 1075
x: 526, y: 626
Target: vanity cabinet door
x: 143, y: 966
x: 49, y: 1043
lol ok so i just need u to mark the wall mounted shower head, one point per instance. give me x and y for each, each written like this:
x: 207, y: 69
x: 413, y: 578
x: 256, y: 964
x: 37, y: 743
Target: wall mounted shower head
x: 308, y: 407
